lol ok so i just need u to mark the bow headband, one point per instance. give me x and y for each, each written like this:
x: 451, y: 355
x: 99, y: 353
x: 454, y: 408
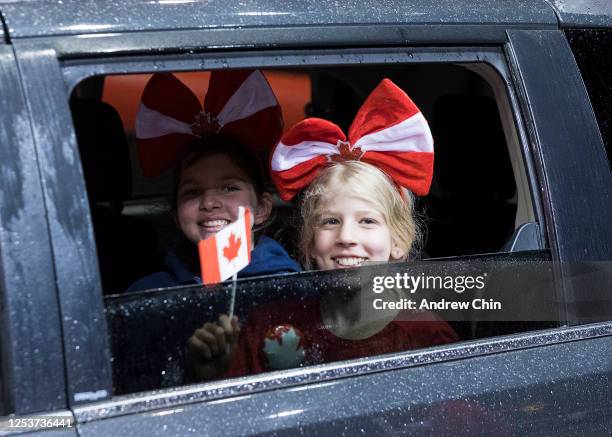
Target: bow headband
x: 388, y: 132
x: 239, y: 104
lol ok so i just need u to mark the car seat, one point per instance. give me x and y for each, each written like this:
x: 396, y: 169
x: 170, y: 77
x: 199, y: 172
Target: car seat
x: 127, y: 247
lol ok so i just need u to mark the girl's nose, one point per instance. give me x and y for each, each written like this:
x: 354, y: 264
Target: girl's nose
x: 208, y: 201
x: 347, y: 235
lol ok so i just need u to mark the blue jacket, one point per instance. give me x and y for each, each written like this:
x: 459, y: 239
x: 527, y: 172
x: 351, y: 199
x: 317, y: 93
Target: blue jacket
x: 267, y: 258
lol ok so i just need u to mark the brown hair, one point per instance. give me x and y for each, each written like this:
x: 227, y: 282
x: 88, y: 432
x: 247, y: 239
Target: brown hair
x: 245, y: 159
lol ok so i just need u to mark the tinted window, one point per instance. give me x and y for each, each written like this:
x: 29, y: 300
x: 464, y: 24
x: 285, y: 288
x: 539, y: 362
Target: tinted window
x: 286, y: 323
x: 592, y: 49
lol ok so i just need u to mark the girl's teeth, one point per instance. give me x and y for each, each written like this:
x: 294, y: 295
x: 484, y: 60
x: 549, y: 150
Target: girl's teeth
x: 215, y: 223
x: 349, y: 261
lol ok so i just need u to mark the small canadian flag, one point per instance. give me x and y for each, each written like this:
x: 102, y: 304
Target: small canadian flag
x: 228, y: 251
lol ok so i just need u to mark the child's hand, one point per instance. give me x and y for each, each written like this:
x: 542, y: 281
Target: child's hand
x: 211, y: 347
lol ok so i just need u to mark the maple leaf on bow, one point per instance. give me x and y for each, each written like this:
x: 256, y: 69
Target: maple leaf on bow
x: 347, y: 152
x: 231, y: 250
x: 205, y: 124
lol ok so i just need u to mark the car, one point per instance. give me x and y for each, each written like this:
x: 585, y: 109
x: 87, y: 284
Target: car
x: 518, y: 95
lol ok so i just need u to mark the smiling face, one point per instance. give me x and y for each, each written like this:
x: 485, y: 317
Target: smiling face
x: 208, y: 196
x: 350, y: 231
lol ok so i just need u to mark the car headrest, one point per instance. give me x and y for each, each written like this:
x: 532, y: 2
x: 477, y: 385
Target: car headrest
x: 104, y: 151
x: 472, y: 158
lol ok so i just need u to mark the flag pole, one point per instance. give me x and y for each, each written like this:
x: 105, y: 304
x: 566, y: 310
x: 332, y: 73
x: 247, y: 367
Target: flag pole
x: 241, y: 214
x: 233, y: 295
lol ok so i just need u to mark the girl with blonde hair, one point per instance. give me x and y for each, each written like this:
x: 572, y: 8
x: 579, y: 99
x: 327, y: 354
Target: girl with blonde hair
x: 356, y: 208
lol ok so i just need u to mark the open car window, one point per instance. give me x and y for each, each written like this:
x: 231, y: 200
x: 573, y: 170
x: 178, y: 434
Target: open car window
x: 479, y: 202
x: 481, y: 208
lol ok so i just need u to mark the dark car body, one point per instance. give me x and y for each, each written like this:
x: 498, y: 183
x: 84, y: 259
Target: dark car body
x: 54, y: 348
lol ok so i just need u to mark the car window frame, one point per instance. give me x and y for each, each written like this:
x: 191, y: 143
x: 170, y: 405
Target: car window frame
x: 167, y: 401
x: 72, y: 71
x: 69, y: 226
x: 556, y: 136
x: 553, y: 153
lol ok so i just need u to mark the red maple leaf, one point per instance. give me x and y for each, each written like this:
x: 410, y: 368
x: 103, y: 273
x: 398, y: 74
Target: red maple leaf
x: 231, y: 250
x: 205, y: 124
x: 347, y: 152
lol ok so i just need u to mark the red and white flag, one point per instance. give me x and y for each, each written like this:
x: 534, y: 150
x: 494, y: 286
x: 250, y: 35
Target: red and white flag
x: 228, y: 251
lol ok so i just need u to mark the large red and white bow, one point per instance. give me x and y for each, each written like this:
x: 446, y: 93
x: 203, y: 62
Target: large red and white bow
x: 388, y: 132
x: 239, y: 104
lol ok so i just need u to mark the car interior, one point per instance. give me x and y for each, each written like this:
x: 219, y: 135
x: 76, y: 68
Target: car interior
x: 479, y: 202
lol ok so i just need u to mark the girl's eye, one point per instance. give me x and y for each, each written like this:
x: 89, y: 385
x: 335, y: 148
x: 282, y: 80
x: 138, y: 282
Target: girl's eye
x: 329, y: 221
x: 231, y: 187
x: 190, y: 192
x: 369, y: 221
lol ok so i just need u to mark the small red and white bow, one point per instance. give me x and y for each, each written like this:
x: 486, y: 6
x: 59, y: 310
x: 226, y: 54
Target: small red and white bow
x: 239, y: 104
x: 388, y: 132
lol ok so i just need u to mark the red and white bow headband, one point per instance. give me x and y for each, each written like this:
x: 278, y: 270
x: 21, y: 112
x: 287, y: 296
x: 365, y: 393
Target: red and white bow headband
x: 388, y: 132
x: 239, y: 104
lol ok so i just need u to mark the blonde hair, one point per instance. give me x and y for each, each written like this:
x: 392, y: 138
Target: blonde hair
x: 366, y: 182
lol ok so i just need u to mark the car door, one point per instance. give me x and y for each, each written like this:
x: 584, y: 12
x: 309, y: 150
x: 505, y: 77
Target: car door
x: 32, y: 373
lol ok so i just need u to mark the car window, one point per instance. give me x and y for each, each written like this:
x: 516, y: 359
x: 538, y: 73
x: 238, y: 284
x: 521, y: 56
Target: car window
x: 471, y: 208
x: 591, y: 49
x: 285, y: 323
x: 480, y: 203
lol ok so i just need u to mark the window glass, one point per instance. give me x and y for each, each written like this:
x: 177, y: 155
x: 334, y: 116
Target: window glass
x: 477, y: 203
x: 296, y: 320
x: 592, y: 49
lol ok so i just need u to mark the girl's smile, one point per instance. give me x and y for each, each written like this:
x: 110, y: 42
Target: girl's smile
x: 211, y: 226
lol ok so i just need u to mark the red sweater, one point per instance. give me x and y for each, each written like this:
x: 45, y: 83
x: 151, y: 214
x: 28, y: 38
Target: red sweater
x: 291, y: 334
